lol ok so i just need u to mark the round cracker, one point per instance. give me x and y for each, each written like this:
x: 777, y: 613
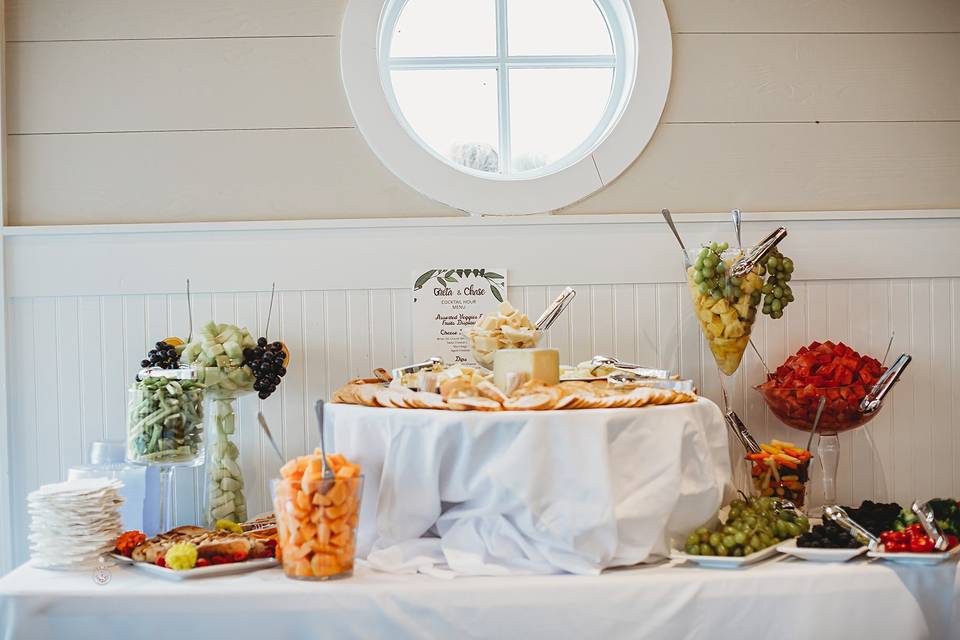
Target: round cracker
x: 475, y: 404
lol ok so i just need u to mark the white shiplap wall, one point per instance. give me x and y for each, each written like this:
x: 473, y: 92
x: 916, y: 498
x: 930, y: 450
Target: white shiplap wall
x: 148, y: 111
x: 83, y: 311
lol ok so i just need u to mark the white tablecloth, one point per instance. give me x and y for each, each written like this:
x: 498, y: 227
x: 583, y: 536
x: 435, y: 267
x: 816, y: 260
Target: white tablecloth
x: 783, y: 600
x: 478, y: 493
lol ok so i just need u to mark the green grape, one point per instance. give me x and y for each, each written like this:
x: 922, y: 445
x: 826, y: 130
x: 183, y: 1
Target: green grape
x: 723, y: 246
x: 721, y: 266
x: 715, y: 540
x: 776, y: 315
x: 772, y: 261
x: 708, y: 271
x: 738, y: 552
x: 777, y: 292
x: 704, y: 287
x: 788, y: 265
x: 721, y: 551
x: 698, y: 276
x: 755, y: 542
x: 776, y: 305
x: 693, y: 538
x: 747, y: 550
x: 693, y: 549
x: 709, y: 261
x: 740, y: 538
x: 767, y: 288
x: 729, y: 530
x: 729, y: 542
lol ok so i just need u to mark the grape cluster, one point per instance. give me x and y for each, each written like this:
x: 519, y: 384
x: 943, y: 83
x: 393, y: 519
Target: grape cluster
x: 266, y: 362
x: 712, y: 278
x: 753, y: 524
x: 777, y: 294
x: 163, y: 355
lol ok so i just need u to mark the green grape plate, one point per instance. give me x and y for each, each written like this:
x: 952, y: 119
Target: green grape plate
x: 727, y: 562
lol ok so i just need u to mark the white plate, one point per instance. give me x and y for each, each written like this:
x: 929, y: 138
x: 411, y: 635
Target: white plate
x: 208, y: 572
x: 819, y: 555
x: 922, y: 559
x: 726, y: 562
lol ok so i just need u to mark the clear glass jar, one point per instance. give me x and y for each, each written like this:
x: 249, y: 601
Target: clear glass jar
x: 224, y: 495
x: 165, y: 419
x: 317, y: 526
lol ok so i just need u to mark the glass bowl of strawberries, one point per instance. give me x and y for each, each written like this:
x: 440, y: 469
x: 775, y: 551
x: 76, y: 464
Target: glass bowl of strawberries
x: 822, y: 370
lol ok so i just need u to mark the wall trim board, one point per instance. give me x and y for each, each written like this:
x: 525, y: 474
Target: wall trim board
x: 379, y: 254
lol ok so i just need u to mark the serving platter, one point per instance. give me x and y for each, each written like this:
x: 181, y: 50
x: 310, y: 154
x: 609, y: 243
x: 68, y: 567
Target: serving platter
x: 819, y: 555
x: 229, y: 568
x: 916, y: 559
x: 726, y: 562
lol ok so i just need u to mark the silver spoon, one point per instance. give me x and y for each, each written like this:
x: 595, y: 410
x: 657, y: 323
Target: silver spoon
x: 327, y: 473
x: 735, y: 214
x: 676, y: 234
x: 266, y: 431
x: 816, y: 420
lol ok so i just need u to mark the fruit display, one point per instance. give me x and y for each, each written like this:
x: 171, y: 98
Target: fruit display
x: 912, y: 539
x: 165, y: 354
x: 781, y: 469
x: 218, y: 354
x: 317, y: 518
x: 165, y: 421
x: 875, y: 517
x: 751, y: 525
x: 268, y: 361
x: 830, y: 370
x: 726, y: 306
x: 504, y: 328
x: 946, y: 511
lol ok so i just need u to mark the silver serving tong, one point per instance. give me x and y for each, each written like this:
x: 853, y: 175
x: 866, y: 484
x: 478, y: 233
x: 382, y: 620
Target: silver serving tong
x: 639, y: 370
x: 557, y: 307
x: 630, y: 379
x: 873, y: 400
x: 328, y: 476
x: 840, y: 516
x: 736, y: 424
x: 676, y: 234
x: 266, y: 432
x: 429, y: 363
x: 183, y: 372
x: 924, y: 512
x: 737, y: 219
x: 745, y: 265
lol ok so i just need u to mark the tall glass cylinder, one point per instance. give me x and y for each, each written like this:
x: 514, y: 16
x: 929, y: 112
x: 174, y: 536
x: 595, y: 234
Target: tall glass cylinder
x: 225, y: 499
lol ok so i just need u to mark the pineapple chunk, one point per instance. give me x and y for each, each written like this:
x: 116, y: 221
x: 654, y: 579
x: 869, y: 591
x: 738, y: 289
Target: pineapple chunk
x: 721, y: 307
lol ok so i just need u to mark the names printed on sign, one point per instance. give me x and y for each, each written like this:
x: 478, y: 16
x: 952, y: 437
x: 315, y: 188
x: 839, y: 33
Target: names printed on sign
x: 448, y: 301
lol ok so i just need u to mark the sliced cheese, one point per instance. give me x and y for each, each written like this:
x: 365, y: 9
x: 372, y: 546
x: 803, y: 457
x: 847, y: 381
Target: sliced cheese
x: 534, y: 364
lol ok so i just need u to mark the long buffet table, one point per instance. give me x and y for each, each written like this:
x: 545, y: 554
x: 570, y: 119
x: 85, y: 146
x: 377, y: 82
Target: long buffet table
x: 781, y: 599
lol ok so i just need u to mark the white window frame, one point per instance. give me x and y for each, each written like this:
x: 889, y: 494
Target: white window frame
x: 642, y: 67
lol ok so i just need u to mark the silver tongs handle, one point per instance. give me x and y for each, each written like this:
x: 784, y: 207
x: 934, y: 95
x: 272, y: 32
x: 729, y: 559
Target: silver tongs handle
x: 429, y: 363
x: 631, y: 379
x: 740, y: 430
x: 840, y: 516
x: 638, y: 370
x: 558, y: 306
x: 872, y: 401
x: 745, y: 265
x: 924, y: 513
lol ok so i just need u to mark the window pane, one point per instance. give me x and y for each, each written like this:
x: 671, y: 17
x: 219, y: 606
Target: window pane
x: 454, y: 111
x: 446, y: 28
x: 553, y: 111
x: 556, y: 27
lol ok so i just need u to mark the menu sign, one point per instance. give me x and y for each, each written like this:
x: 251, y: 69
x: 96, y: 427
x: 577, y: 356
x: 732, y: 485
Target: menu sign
x: 448, y: 301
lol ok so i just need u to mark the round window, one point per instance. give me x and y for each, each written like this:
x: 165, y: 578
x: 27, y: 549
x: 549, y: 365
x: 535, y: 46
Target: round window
x: 506, y: 106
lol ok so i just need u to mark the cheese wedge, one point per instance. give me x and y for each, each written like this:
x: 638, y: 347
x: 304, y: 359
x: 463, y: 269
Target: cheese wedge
x: 533, y: 364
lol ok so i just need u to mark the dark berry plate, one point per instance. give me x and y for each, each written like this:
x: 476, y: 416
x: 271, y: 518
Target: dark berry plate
x: 816, y: 554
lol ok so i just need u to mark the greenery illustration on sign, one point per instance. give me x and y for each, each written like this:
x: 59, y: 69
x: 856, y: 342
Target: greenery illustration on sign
x: 447, y: 276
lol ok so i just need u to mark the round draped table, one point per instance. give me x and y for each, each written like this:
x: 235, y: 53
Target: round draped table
x: 514, y: 492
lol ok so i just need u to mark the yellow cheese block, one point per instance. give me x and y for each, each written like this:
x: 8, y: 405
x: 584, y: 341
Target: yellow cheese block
x: 531, y: 364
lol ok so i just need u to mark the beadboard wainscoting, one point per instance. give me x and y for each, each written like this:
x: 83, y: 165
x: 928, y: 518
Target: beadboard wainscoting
x: 85, y: 304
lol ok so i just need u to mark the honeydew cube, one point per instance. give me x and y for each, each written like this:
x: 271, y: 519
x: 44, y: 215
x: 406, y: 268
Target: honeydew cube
x: 537, y: 364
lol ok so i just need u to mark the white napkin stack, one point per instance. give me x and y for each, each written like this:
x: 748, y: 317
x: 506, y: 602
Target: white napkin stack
x: 73, y: 523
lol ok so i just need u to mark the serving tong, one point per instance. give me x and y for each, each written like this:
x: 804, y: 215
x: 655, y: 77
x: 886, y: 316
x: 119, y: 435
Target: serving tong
x: 928, y: 521
x: 839, y: 515
x: 874, y: 399
x: 429, y: 363
x: 758, y: 252
x: 636, y: 369
x: 557, y: 307
x: 630, y: 379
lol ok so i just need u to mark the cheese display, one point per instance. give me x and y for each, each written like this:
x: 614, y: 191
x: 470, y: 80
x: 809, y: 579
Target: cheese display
x: 505, y: 328
x: 512, y: 367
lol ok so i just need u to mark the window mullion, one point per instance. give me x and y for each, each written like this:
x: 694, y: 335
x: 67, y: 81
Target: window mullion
x: 503, y: 88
